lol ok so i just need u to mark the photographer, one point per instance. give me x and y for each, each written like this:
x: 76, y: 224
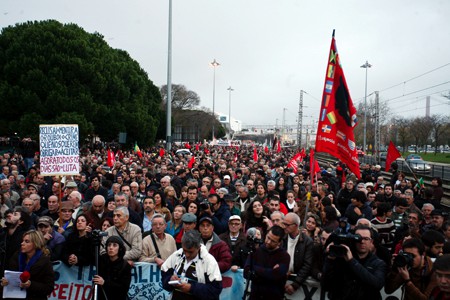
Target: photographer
x: 351, y: 270
x: 218, y: 211
x: 412, y: 269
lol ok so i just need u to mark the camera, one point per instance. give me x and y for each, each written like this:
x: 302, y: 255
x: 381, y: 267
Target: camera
x: 204, y: 205
x: 403, y: 259
x: 339, y: 239
x: 97, y: 233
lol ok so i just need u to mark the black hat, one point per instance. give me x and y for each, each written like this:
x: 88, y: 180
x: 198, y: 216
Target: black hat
x: 439, y: 212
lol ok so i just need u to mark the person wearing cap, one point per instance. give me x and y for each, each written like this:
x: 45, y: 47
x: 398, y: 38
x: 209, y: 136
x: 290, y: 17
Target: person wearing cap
x: 215, y: 246
x: 441, y: 269
x: 114, y: 275
x: 438, y: 218
x: 189, y: 223
x: 64, y: 224
x: 231, y: 201
x: 196, y: 270
x: 236, y: 241
x: 158, y: 245
x: 227, y: 184
x: 53, y: 239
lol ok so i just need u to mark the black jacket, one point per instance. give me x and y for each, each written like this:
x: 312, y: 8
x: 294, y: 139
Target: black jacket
x: 117, y: 276
x: 303, y: 258
x: 356, y: 279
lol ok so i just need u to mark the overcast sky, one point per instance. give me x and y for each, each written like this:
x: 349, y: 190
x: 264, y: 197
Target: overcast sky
x: 269, y: 50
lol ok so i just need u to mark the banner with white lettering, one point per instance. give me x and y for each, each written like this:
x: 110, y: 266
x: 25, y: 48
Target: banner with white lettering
x: 59, y: 151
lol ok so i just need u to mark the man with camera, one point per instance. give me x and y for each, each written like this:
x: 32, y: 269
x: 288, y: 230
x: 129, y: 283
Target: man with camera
x: 351, y: 270
x: 218, y: 211
x: 412, y: 269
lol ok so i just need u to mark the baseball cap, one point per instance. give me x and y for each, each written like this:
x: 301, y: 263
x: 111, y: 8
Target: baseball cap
x: 234, y: 217
x: 226, y: 177
x: 189, y: 218
x: 46, y: 220
x: 208, y: 219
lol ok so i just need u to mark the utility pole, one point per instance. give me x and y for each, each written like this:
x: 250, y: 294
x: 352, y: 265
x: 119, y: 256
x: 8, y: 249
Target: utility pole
x: 300, y: 121
x: 169, y: 84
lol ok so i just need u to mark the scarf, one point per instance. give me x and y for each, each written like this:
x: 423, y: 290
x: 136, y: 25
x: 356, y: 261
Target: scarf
x: 23, y: 265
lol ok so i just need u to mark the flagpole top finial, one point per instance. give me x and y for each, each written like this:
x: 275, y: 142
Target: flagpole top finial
x: 333, y: 32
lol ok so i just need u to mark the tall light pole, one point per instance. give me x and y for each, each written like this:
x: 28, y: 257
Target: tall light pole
x: 169, y: 84
x: 229, y: 107
x: 365, y: 66
x: 214, y: 64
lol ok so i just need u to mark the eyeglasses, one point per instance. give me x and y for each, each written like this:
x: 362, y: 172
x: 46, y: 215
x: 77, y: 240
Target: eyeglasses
x: 287, y: 224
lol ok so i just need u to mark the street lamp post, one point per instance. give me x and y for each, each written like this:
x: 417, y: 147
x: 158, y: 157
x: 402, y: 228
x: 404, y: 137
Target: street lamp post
x: 169, y: 84
x: 214, y: 64
x: 365, y: 66
x: 229, y: 107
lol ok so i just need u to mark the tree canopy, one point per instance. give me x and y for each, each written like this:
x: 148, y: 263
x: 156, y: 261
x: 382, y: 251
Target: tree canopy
x: 53, y: 73
x: 182, y: 98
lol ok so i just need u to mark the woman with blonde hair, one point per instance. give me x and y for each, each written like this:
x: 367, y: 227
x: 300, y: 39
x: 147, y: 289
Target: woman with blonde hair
x: 170, y: 195
x: 33, y: 258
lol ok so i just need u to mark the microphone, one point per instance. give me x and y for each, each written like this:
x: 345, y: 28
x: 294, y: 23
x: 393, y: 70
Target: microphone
x: 25, y: 276
x: 251, y: 233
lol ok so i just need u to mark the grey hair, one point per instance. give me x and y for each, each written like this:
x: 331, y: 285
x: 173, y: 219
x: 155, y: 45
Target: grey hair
x: 191, y: 239
x: 277, y: 212
x: 155, y: 216
x: 223, y: 190
x: 271, y: 182
x: 428, y: 204
x: 123, y: 209
x: 121, y: 194
x: 295, y: 218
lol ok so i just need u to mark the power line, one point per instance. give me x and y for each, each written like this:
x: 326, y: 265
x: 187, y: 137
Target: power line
x: 424, y: 89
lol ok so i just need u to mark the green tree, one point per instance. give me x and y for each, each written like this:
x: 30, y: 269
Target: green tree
x: 55, y: 73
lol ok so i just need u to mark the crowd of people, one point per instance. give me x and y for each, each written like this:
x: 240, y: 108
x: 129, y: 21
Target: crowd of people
x: 199, y: 217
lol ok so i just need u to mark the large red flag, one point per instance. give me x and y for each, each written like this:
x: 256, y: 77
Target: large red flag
x: 392, y: 155
x: 111, y: 158
x: 337, y: 115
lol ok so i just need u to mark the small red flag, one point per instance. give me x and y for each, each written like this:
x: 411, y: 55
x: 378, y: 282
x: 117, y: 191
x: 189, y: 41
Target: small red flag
x: 111, y: 159
x: 278, y: 147
x: 197, y: 146
x: 191, y: 162
x: 314, y: 167
x: 255, y: 155
x: 266, y: 150
x: 392, y: 155
x: 161, y: 152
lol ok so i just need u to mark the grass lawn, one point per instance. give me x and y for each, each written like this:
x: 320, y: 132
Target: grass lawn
x: 438, y: 157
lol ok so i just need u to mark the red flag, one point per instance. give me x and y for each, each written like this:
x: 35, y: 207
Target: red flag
x: 187, y: 146
x: 235, y: 156
x: 255, y: 155
x: 293, y: 163
x: 392, y: 155
x: 314, y: 167
x: 337, y: 115
x: 161, y: 152
x: 191, y: 162
x: 197, y: 147
x: 275, y: 143
x: 266, y: 149
x: 278, y: 147
x: 111, y: 159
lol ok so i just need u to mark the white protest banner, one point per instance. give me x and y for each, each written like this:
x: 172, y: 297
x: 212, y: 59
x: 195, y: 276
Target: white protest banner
x: 59, y: 149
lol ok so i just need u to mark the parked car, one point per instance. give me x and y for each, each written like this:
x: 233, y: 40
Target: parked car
x: 360, y: 152
x: 419, y: 166
x: 183, y: 152
x: 383, y: 156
